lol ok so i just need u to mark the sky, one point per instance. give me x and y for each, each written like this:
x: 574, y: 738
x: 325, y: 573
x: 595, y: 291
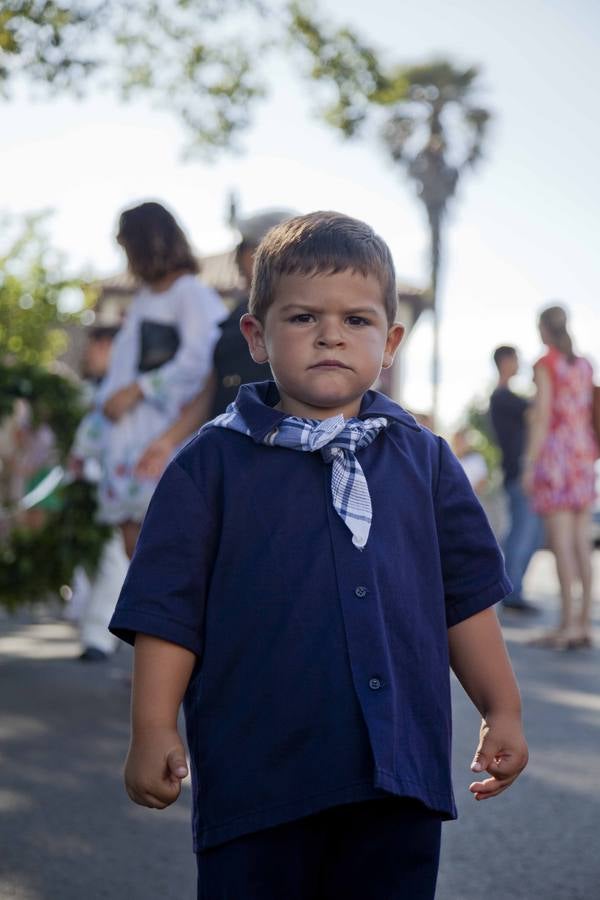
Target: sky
x: 522, y: 231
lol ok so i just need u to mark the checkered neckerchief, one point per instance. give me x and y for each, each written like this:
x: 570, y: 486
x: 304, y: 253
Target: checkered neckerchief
x: 338, y: 439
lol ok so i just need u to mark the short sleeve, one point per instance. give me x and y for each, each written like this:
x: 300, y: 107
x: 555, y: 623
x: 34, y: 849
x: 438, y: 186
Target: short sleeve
x: 164, y: 594
x: 472, y: 564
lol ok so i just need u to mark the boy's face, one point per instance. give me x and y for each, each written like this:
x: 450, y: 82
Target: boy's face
x: 326, y: 338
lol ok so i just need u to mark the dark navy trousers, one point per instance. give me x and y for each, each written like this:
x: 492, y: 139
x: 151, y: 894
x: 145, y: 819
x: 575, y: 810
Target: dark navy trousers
x: 385, y: 849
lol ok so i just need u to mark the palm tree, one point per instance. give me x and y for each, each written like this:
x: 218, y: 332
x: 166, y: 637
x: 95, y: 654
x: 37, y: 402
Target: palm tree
x: 435, y: 134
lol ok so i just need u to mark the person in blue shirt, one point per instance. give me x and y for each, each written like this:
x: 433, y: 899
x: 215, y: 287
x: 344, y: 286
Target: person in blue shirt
x: 311, y: 565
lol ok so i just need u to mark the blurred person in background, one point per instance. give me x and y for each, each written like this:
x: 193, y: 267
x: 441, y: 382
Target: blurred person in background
x: 93, y: 599
x: 30, y: 454
x: 559, y: 472
x: 232, y: 364
x: 96, y: 357
x: 161, y: 357
x: 472, y: 461
x: 525, y: 534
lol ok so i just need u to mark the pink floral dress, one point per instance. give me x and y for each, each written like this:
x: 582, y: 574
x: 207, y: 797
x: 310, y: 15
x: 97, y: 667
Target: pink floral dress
x: 563, y: 475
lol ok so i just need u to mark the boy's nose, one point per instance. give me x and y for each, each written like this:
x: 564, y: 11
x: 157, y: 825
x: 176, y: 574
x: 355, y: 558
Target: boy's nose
x: 330, y: 335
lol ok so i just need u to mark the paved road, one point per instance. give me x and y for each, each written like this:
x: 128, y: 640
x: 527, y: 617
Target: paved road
x: 68, y: 832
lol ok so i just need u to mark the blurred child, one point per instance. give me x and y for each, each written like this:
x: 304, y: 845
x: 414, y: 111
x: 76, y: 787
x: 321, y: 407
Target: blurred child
x: 93, y: 599
x: 471, y: 460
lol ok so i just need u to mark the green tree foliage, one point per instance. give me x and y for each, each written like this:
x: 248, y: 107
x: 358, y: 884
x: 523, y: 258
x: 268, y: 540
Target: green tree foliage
x: 199, y: 59
x: 346, y: 66
x: 36, y: 561
x: 32, y: 325
x: 48, y: 42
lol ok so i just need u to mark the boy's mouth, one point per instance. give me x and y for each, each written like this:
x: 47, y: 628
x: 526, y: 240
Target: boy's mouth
x: 329, y: 364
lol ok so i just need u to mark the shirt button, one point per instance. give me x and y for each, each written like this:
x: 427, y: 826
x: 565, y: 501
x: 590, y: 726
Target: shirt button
x: 375, y: 684
x: 360, y: 591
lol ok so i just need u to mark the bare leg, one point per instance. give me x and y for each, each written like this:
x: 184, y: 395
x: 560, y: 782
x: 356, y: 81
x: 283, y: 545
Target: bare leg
x: 130, y: 531
x: 561, y: 535
x: 583, y: 555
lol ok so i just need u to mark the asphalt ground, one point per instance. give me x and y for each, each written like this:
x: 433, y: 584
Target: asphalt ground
x: 69, y: 832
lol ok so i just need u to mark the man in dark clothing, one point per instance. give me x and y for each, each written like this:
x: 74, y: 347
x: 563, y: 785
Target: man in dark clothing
x: 525, y: 533
x: 232, y: 363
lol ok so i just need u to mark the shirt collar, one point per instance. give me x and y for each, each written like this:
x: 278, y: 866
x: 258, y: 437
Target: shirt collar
x: 256, y: 405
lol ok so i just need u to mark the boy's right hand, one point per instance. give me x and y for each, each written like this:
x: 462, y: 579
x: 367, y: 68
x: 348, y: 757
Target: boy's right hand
x: 155, y: 767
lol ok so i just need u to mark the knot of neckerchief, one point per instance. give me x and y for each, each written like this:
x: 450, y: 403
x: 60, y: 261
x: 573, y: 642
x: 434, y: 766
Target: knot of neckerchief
x: 338, y: 440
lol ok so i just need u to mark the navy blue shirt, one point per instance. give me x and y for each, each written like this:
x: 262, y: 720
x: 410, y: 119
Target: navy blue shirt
x: 323, y: 674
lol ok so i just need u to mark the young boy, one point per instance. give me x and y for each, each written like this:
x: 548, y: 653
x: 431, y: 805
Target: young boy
x: 309, y: 566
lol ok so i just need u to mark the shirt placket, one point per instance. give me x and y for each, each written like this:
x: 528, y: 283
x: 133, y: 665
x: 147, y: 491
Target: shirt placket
x: 368, y: 652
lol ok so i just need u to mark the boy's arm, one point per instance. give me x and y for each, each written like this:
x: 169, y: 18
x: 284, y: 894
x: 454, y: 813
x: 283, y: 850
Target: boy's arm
x: 156, y: 762
x: 479, y: 659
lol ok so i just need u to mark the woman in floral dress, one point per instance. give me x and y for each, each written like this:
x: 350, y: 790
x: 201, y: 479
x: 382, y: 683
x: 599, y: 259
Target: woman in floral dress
x: 161, y: 358
x: 559, y: 472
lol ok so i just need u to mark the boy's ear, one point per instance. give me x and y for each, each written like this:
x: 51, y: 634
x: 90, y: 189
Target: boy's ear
x: 252, y: 330
x: 394, y: 338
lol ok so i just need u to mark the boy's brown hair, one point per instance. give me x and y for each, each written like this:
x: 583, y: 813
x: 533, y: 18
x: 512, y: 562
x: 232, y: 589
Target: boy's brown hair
x: 321, y: 243
x: 154, y: 243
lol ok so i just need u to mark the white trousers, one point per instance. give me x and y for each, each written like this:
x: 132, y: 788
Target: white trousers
x: 102, y: 595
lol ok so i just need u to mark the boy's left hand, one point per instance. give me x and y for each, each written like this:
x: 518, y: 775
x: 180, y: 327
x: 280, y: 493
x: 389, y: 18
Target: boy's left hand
x: 502, y: 752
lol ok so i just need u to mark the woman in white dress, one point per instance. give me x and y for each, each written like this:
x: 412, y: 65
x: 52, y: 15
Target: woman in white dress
x: 161, y: 358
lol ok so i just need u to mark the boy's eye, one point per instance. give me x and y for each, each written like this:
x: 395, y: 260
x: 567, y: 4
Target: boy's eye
x: 302, y: 317
x: 357, y: 320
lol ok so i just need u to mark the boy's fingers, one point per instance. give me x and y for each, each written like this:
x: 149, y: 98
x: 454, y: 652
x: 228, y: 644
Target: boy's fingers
x: 496, y: 766
x: 176, y: 763
x: 156, y: 799
x: 491, y: 787
x: 484, y: 754
x: 503, y: 767
x: 488, y: 758
x: 480, y: 760
x: 142, y: 798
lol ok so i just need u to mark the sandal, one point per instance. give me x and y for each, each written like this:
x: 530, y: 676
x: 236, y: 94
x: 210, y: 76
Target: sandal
x: 556, y: 639
x: 581, y: 640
